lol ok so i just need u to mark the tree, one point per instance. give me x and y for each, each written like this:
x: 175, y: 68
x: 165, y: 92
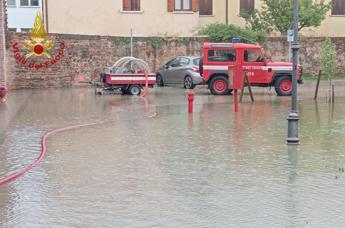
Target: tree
x: 328, y: 60
x: 218, y: 32
x: 277, y: 15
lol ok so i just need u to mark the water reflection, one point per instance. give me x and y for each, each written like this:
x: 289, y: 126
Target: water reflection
x: 212, y: 168
x: 291, y: 203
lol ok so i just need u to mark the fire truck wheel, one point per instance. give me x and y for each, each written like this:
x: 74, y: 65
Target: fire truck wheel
x: 159, y: 80
x: 188, y: 83
x: 219, y: 85
x: 134, y: 90
x: 283, y: 86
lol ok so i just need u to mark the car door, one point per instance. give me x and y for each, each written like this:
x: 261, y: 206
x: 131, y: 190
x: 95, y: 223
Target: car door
x: 169, y: 70
x: 178, y: 71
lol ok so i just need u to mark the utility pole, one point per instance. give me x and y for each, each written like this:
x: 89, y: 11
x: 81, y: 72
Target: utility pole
x: 293, y: 117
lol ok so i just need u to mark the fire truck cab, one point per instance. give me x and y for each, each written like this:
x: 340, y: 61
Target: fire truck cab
x: 261, y: 70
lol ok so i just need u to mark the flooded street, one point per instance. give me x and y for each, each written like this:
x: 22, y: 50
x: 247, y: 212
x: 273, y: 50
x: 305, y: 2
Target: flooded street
x: 215, y: 168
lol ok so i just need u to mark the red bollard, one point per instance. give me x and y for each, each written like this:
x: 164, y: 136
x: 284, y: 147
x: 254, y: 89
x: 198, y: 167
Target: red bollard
x: 236, y: 100
x: 3, y: 93
x: 190, y: 101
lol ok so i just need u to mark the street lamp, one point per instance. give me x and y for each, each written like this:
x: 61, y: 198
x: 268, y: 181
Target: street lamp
x: 293, y: 117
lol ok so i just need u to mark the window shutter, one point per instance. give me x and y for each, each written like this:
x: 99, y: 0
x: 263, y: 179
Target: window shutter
x: 338, y: 7
x: 126, y: 5
x: 206, y: 7
x: 195, y: 5
x: 171, y: 5
x: 247, y: 6
x: 136, y: 5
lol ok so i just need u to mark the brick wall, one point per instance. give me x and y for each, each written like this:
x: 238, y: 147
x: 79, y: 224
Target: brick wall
x: 87, y: 55
x: 309, y: 52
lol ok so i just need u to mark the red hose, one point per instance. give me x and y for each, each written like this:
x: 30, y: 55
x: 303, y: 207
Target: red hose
x: 46, y: 135
x: 146, y: 85
x: 42, y: 155
x: 143, y: 96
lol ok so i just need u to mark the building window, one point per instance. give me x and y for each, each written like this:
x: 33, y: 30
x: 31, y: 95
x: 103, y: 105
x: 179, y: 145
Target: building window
x: 35, y: 3
x: 183, y: 5
x: 338, y: 7
x: 29, y: 3
x: 11, y: 3
x: 25, y: 29
x: 131, y: 5
x: 24, y: 2
x: 247, y: 6
x: 206, y: 7
x: 12, y: 29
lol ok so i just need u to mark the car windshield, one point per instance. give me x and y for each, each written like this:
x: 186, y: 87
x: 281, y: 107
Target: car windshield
x: 196, y: 61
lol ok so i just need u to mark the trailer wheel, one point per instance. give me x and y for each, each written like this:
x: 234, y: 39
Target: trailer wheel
x: 134, y: 90
x: 219, y: 85
x: 283, y: 86
x: 98, y: 91
x: 124, y: 91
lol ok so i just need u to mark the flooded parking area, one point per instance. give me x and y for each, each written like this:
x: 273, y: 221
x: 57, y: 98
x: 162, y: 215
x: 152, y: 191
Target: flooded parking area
x: 214, y: 168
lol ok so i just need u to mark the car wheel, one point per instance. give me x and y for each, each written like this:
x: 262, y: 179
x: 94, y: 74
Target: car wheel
x: 134, y: 90
x: 283, y: 86
x: 159, y: 80
x: 188, y: 83
x: 219, y: 85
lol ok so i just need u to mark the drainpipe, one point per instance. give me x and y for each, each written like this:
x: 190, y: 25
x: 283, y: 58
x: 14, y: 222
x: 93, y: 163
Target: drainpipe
x: 46, y: 14
x: 226, y: 11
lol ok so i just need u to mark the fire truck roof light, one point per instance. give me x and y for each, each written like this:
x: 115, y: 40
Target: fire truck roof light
x: 236, y: 40
x: 222, y: 45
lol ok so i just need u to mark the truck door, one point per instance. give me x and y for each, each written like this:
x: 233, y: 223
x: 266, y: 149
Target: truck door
x: 254, y: 65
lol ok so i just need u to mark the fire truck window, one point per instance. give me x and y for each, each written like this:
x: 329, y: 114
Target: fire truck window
x: 252, y: 56
x: 221, y: 56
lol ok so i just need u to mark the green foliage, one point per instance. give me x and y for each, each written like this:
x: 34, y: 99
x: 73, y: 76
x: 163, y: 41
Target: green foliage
x: 219, y: 32
x: 277, y: 15
x: 255, y: 22
x: 328, y: 57
x: 121, y: 41
x: 312, y: 13
x: 156, y: 42
x: 186, y: 42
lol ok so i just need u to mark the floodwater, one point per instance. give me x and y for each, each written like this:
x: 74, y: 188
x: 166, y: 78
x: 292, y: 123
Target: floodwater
x: 214, y: 168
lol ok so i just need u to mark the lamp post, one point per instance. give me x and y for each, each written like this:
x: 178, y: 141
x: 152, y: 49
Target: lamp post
x: 293, y: 117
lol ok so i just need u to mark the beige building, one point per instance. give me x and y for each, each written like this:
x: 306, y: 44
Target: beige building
x: 162, y: 17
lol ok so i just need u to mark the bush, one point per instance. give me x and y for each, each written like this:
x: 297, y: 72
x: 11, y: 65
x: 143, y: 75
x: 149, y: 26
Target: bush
x: 328, y: 57
x: 219, y: 32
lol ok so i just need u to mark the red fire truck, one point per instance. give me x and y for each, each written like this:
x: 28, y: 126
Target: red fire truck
x: 261, y: 70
